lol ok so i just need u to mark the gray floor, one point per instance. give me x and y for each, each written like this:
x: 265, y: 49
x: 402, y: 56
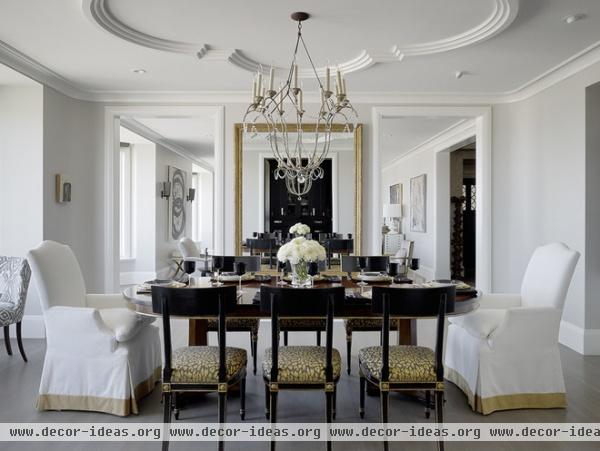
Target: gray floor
x: 19, y: 384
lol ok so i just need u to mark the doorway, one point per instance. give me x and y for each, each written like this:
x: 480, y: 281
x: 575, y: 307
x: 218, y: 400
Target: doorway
x: 463, y: 207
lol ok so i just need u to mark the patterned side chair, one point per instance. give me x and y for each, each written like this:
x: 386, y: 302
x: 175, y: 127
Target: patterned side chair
x: 14, y: 281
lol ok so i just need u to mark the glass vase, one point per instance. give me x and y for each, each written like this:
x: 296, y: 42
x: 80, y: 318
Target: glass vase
x: 300, y: 276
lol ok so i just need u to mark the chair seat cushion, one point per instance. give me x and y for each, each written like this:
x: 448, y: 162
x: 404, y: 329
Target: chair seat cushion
x: 124, y: 323
x: 367, y: 324
x: 407, y: 363
x: 302, y: 364
x: 480, y: 323
x: 236, y: 324
x: 310, y: 323
x: 9, y: 314
x: 200, y: 364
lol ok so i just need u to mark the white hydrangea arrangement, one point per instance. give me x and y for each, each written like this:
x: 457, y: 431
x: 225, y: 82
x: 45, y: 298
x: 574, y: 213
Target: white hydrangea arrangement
x: 301, y: 250
x: 300, y: 229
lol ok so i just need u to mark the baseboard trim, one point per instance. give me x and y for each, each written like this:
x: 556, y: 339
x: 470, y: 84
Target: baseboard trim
x: 584, y: 341
x: 136, y: 277
x: 32, y: 326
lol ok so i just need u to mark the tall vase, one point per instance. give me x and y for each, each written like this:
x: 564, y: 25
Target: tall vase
x: 300, y: 277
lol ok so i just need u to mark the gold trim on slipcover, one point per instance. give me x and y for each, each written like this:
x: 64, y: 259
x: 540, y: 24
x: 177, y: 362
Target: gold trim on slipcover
x: 119, y: 407
x: 492, y: 404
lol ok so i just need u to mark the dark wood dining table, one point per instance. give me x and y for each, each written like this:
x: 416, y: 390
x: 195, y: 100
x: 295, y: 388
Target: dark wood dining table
x: 355, y: 307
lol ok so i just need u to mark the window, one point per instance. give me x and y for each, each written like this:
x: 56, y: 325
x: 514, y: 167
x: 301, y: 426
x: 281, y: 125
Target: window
x: 125, y: 204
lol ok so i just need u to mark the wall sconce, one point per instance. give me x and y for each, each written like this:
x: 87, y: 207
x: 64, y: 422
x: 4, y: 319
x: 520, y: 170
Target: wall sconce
x: 191, y: 194
x: 166, y: 190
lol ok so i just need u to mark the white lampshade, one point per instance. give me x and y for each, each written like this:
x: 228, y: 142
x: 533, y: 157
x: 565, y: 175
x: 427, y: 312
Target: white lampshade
x: 392, y: 210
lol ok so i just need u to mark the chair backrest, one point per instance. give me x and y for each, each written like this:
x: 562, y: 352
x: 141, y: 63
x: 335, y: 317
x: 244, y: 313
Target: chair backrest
x: 188, y: 302
x: 374, y: 263
x: 188, y: 248
x: 413, y: 303
x: 14, y: 282
x: 548, y: 276
x: 252, y: 262
x: 57, y: 275
x: 261, y: 243
x: 335, y: 245
x: 302, y: 302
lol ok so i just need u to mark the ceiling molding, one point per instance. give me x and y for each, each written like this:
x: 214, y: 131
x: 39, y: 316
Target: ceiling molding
x: 27, y: 66
x: 146, y: 132
x: 503, y: 14
x: 99, y: 13
x: 451, y: 133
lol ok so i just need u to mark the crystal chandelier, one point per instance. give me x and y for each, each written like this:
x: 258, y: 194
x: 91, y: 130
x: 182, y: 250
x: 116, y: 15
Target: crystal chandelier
x: 299, y: 153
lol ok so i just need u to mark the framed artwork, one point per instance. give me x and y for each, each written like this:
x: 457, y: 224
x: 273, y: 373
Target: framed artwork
x: 64, y: 188
x: 396, y: 194
x: 418, y: 203
x: 177, y: 205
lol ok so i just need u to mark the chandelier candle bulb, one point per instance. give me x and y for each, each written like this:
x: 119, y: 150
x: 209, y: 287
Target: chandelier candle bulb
x: 300, y: 101
x: 343, y: 86
x: 271, y: 78
x: 295, y: 85
x: 327, y: 77
x: 339, y: 79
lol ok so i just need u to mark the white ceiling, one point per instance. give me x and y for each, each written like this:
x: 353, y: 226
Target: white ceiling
x: 400, y: 135
x: 96, y: 44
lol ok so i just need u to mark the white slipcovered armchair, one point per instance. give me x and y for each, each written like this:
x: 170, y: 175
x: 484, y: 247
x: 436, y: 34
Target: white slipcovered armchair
x: 505, y: 354
x: 100, y: 356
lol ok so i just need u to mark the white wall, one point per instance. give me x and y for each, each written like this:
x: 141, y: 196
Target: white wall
x: 73, y: 145
x: 164, y: 245
x: 21, y: 176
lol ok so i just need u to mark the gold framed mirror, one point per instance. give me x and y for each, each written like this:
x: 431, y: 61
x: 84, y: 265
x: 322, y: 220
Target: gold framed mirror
x: 342, y: 179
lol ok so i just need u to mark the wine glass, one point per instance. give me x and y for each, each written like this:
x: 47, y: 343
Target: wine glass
x: 189, y: 267
x: 362, y: 264
x: 281, y: 270
x: 313, y: 270
x: 393, y: 270
x: 217, y: 266
x: 240, y: 270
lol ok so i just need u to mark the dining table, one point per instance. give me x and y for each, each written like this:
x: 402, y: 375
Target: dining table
x: 357, y: 305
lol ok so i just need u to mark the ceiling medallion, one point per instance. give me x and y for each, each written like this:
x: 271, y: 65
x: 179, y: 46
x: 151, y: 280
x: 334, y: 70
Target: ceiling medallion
x: 299, y: 157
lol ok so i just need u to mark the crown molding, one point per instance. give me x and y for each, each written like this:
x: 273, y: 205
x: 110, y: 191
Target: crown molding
x: 145, y: 132
x: 25, y: 65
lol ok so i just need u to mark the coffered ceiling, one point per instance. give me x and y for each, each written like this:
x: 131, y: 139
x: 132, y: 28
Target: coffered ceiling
x: 409, y: 46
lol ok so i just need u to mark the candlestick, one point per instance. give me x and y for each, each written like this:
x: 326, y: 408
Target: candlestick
x: 295, y: 76
x: 327, y: 77
x: 301, y: 101
x: 259, y: 81
x: 271, y: 78
x: 343, y: 86
x: 339, y: 78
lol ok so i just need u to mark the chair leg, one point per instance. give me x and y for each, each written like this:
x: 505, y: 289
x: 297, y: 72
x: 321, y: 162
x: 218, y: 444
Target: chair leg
x: 267, y: 402
x: 20, y: 341
x: 427, y: 403
x: 7, y: 341
x: 273, y: 414
x: 175, y: 397
x: 166, y: 419
x: 318, y: 338
x: 222, y: 412
x: 243, y: 399
x: 329, y: 409
x: 285, y: 338
x: 349, y: 352
x: 384, y: 395
x: 254, y: 349
x: 439, y: 406
x: 363, y: 387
